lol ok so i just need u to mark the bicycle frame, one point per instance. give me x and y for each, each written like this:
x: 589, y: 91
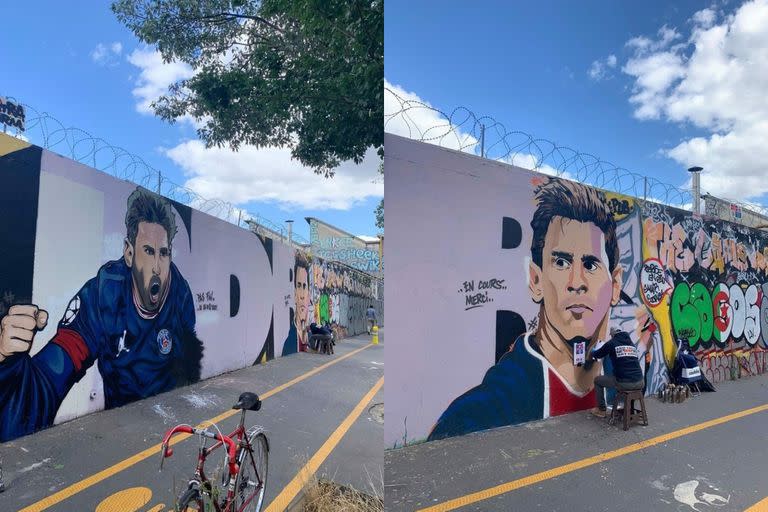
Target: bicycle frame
x: 237, y: 438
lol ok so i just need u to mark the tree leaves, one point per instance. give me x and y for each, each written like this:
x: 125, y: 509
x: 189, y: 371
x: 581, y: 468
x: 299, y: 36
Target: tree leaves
x: 307, y: 74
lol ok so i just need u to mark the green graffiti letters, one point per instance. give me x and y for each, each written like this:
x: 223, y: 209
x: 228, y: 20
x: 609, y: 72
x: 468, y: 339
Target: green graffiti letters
x: 726, y: 313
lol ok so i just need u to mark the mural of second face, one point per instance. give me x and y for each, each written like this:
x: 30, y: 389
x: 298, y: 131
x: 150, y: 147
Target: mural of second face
x: 575, y: 278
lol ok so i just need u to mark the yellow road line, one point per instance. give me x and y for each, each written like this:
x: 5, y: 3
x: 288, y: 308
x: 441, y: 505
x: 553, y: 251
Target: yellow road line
x: 290, y: 491
x: 75, y: 488
x: 580, y: 464
x: 760, y: 506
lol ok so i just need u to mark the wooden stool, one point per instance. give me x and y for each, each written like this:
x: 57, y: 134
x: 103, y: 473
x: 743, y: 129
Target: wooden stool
x: 628, y: 398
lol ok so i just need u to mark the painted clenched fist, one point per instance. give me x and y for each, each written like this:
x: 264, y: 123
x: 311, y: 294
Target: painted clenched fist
x: 18, y: 328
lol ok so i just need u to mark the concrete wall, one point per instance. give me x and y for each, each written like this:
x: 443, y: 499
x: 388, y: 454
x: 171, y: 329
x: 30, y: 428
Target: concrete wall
x: 332, y: 244
x: 225, y: 297
x: 725, y: 210
x: 481, y: 335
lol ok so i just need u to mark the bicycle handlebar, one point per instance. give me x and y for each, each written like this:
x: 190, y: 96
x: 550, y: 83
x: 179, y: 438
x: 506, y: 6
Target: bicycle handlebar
x: 167, y: 451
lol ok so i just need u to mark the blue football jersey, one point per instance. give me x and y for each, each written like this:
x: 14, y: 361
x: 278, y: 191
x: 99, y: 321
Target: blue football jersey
x: 137, y: 357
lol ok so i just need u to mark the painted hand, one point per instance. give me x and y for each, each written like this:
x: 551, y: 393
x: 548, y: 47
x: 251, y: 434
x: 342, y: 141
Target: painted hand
x: 18, y: 328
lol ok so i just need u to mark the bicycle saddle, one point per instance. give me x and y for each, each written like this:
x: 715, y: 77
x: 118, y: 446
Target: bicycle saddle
x: 248, y: 401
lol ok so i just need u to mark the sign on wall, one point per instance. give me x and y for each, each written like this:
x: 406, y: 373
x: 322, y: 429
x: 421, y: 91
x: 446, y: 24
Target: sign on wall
x: 12, y: 114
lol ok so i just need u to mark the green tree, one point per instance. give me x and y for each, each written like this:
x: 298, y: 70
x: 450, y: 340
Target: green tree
x: 304, y: 74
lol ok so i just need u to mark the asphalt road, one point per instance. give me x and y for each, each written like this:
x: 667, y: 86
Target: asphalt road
x: 709, y: 467
x: 109, y: 460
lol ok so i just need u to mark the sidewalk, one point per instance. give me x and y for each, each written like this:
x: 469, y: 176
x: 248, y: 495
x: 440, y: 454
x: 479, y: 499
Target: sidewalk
x: 81, y: 463
x: 725, y: 460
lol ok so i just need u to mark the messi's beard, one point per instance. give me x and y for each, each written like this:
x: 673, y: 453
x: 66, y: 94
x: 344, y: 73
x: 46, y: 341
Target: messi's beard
x: 577, y: 339
x: 156, y: 287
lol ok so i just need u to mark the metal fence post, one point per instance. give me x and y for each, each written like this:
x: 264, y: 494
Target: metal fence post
x: 482, y: 140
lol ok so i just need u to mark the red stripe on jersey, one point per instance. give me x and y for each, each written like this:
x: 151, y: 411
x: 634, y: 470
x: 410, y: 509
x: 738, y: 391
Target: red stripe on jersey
x: 562, y: 400
x: 74, y: 345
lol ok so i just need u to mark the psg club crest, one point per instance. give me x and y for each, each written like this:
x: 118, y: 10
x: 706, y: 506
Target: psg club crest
x: 72, y: 310
x: 164, y: 341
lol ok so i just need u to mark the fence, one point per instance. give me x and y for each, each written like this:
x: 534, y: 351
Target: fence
x: 48, y: 132
x: 463, y: 130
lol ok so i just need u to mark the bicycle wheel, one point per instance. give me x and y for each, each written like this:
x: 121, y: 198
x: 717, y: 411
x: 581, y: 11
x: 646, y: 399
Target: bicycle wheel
x: 251, y: 479
x: 189, y: 501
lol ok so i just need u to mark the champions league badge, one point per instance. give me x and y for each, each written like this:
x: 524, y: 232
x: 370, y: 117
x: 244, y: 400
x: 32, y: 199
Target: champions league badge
x: 72, y: 310
x: 164, y: 341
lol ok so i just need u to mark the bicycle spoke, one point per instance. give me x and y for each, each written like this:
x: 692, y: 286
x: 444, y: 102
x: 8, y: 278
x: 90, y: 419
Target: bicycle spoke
x: 251, y: 478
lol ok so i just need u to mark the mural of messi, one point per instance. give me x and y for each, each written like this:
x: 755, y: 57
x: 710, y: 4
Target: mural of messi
x: 297, y: 333
x: 575, y: 277
x: 136, y: 318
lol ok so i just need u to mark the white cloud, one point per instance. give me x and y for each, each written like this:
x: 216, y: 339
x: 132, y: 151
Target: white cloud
x: 704, y: 18
x: 715, y: 80
x: 405, y: 117
x: 413, y: 117
x: 270, y: 174
x: 250, y: 174
x: 666, y: 36
x: 107, y: 54
x: 599, y: 70
x: 155, y: 76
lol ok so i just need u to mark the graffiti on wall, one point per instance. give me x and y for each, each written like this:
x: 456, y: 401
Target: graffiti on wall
x: 340, y: 296
x: 327, y: 293
x: 713, y: 294
x: 600, y: 260
x: 478, y: 293
x: 345, y: 249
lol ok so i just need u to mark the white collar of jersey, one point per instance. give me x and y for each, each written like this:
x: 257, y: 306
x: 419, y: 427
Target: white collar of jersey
x: 145, y: 313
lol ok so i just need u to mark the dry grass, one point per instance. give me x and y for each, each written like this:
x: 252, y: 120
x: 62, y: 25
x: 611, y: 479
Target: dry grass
x: 327, y: 496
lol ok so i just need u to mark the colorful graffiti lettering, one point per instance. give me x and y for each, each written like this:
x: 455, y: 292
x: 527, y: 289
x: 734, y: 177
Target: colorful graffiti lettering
x: 728, y: 312
x: 654, y: 283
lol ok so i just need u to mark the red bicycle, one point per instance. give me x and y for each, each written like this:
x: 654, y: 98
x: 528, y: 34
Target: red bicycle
x: 245, y: 473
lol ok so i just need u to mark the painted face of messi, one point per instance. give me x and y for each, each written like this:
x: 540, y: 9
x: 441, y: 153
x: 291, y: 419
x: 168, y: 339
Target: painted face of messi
x: 150, y: 262
x: 574, y: 283
x: 302, y: 297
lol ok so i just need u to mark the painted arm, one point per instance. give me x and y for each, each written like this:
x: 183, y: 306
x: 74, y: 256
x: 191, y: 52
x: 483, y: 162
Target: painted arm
x: 509, y: 394
x: 32, y: 388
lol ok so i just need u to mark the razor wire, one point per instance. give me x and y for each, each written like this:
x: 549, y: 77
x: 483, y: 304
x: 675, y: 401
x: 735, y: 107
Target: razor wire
x: 48, y: 132
x: 462, y: 130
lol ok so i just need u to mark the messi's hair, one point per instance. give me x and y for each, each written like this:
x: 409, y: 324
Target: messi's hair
x: 146, y: 206
x: 302, y: 261
x: 570, y: 200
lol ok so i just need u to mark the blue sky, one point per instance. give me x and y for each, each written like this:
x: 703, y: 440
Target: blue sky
x: 75, y: 61
x: 654, y: 87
